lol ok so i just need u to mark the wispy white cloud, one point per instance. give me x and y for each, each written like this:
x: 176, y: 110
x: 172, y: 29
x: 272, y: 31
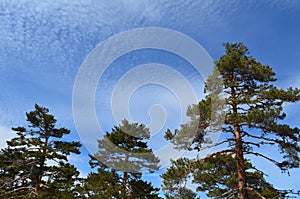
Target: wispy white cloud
x: 54, y: 31
x: 61, y: 25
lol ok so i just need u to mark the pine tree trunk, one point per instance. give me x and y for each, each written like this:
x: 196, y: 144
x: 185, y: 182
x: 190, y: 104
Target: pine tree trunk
x: 125, y: 178
x: 124, y: 183
x: 240, y: 163
x: 37, y: 184
x: 42, y: 164
x: 39, y: 177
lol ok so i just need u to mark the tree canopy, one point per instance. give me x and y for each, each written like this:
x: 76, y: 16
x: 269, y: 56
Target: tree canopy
x: 119, y: 172
x: 35, y: 163
x: 242, y: 103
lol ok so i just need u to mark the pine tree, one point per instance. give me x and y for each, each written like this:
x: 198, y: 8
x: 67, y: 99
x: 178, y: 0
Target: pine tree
x: 243, y: 103
x: 123, y: 168
x: 40, y: 162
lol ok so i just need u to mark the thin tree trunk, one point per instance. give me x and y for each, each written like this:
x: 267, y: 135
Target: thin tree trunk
x: 42, y: 164
x: 124, y: 183
x: 240, y: 162
x: 125, y: 178
x: 37, y: 184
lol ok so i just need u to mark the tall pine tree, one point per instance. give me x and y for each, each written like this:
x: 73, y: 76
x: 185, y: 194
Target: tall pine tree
x: 244, y: 104
x: 39, y: 165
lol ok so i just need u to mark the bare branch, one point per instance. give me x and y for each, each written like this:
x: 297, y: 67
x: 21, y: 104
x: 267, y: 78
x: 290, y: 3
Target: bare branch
x: 263, y: 156
x: 260, y: 137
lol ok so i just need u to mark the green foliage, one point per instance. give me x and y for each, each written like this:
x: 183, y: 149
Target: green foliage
x: 35, y: 162
x: 101, y: 184
x: 216, y: 177
x: 125, y: 148
x: 243, y: 103
x: 119, y: 171
x: 182, y: 193
x: 12, y: 181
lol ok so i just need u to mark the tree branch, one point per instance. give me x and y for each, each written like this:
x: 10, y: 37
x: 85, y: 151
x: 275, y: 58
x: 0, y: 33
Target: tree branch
x: 217, y: 144
x: 260, y: 137
x: 218, y: 153
x: 256, y: 193
x: 14, y: 190
x: 263, y: 156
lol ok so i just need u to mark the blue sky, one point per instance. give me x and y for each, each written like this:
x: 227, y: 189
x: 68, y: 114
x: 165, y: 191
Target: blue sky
x: 43, y: 44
